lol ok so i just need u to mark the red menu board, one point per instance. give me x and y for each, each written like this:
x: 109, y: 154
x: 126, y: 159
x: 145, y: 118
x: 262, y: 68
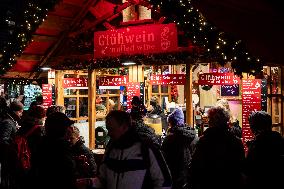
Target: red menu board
x: 113, y: 80
x: 47, y: 95
x: 169, y: 79
x: 218, y: 79
x: 133, y: 89
x: 251, y: 99
x: 75, y: 83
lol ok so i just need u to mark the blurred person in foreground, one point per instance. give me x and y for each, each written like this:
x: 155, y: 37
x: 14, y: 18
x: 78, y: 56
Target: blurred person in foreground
x: 265, y: 157
x: 128, y: 162
x: 178, y: 148
x: 54, y: 161
x: 219, y: 155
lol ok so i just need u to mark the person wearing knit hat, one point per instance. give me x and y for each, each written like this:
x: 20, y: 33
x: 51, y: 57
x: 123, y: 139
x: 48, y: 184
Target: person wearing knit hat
x: 178, y: 147
x: 176, y: 118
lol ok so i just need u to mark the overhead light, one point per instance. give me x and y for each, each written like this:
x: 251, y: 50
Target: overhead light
x: 128, y: 63
x: 45, y: 68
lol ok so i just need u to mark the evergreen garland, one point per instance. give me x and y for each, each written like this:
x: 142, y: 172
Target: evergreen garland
x: 218, y: 46
x: 21, y: 24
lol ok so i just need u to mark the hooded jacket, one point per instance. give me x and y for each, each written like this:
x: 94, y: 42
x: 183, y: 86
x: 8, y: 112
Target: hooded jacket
x: 265, y: 161
x: 131, y: 164
x: 178, y: 148
x: 217, y: 160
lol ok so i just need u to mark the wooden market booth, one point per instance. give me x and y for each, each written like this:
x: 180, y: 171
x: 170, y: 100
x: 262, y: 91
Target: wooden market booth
x: 155, y: 49
x: 64, y: 42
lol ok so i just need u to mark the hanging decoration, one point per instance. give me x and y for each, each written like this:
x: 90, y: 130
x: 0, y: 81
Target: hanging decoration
x: 32, y: 14
x: 174, y: 93
x: 218, y: 46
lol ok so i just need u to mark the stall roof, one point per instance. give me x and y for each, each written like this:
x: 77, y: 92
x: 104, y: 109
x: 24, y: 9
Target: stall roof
x: 257, y: 22
x: 54, y: 35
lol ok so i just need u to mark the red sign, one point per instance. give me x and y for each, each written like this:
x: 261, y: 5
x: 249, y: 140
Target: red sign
x: 113, y: 80
x: 251, y: 101
x: 218, y: 79
x: 169, y: 79
x: 75, y: 83
x: 47, y: 95
x: 154, y: 38
x: 133, y: 89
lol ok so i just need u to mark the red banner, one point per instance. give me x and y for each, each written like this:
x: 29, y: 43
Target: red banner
x: 251, y: 101
x: 47, y: 95
x: 133, y: 89
x: 218, y: 79
x: 75, y: 83
x: 169, y: 79
x: 154, y: 38
x: 113, y: 80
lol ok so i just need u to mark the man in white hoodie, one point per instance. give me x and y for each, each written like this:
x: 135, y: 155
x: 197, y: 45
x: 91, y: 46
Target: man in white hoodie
x: 130, y: 162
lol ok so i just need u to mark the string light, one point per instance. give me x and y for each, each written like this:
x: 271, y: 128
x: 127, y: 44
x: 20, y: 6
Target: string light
x: 204, y: 34
x: 32, y: 15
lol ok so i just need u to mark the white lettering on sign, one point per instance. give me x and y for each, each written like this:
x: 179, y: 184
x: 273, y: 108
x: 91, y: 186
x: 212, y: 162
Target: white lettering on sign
x: 121, y: 39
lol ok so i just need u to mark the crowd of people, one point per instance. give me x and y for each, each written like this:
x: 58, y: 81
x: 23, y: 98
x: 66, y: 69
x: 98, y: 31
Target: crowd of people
x: 134, y: 157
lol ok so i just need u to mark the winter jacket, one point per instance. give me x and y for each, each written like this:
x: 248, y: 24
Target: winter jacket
x: 178, y: 148
x: 11, y: 172
x: 85, y: 162
x: 55, y: 165
x: 217, y: 160
x: 8, y: 128
x: 130, y: 164
x: 33, y: 129
x: 265, y: 161
x: 146, y: 133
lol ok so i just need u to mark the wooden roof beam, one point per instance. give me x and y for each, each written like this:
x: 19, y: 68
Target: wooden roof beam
x: 63, y: 36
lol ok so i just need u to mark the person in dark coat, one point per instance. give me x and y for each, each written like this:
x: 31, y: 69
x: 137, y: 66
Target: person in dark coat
x: 145, y: 132
x: 178, y: 148
x: 11, y: 172
x: 54, y: 162
x: 219, y: 155
x: 156, y: 108
x: 138, y: 110
x: 265, y: 157
x: 32, y: 127
x: 85, y: 162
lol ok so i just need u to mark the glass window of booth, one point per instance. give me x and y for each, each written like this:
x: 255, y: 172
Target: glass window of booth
x: 76, y: 99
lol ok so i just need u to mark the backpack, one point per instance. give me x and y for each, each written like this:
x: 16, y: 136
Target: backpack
x: 23, y: 150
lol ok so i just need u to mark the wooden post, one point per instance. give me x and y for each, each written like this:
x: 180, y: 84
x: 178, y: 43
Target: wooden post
x: 59, y: 88
x: 92, y: 106
x: 188, y: 95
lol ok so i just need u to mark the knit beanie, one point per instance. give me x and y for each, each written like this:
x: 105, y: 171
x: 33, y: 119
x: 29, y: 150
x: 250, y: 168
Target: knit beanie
x: 176, y: 118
